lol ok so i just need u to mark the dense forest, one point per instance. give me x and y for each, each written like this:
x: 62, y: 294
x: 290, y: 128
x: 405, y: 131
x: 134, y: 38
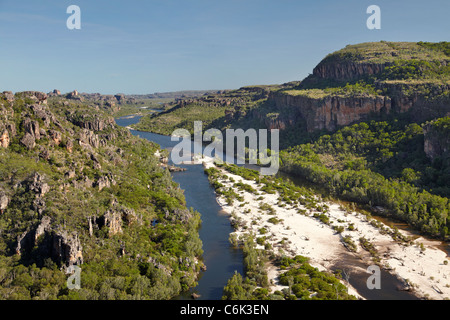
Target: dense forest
x: 379, y: 165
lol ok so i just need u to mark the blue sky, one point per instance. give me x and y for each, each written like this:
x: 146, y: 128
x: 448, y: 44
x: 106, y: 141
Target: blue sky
x: 138, y: 46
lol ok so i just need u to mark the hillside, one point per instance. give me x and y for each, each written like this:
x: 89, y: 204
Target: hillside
x: 77, y: 190
x: 363, y: 118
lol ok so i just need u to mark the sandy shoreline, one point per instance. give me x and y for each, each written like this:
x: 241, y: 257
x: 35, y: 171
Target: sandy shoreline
x: 420, y: 264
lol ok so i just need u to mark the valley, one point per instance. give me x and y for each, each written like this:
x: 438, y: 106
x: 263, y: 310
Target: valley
x: 369, y: 127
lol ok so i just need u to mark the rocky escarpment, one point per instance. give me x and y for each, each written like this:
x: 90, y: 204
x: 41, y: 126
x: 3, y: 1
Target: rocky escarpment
x: 423, y: 102
x: 327, y: 113
x: 49, y: 241
x: 45, y: 239
x: 366, y: 81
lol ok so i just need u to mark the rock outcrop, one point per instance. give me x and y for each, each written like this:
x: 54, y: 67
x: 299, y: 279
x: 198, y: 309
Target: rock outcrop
x: 114, y: 219
x: 89, y: 139
x: 36, y: 184
x: 67, y: 248
x: 28, y: 141
x: 32, y: 133
x: 73, y: 95
x: 36, y: 96
x: 4, y: 201
x: 61, y: 246
x: 103, y: 182
x: 42, y: 112
x: 92, y: 123
x: 42, y: 228
x: 4, y: 139
x: 330, y: 111
x: 8, y: 96
x: 54, y: 93
x: 32, y: 127
x: 55, y: 136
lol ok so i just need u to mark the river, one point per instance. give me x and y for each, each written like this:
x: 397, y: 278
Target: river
x: 220, y: 258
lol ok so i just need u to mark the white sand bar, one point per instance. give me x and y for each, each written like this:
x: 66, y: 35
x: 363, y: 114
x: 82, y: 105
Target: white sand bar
x: 421, y: 264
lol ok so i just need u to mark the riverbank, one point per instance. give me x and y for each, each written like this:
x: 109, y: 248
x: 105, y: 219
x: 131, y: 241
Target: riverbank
x: 326, y: 232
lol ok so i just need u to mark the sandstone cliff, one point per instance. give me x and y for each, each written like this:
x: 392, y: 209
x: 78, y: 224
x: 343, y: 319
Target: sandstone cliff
x: 347, y: 70
x: 329, y: 112
x: 365, y: 81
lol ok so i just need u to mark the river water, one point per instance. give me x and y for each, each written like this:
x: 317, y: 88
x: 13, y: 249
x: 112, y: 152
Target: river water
x: 221, y: 259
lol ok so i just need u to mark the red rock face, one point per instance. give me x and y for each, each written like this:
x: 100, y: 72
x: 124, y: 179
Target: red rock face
x: 330, y: 112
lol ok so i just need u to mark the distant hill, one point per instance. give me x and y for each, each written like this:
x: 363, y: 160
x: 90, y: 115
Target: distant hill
x: 174, y: 95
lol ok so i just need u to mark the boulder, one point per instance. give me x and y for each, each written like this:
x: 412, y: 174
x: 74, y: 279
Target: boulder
x: 70, y: 174
x: 4, y: 201
x: 69, y: 145
x: 67, y: 248
x: 73, y: 95
x: 44, y: 153
x: 28, y: 141
x: 39, y: 97
x: 32, y: 127
x: 113, y: 220
x: 4, y: 139
x: 42, y: 228
x: 8, y: 96
x: 56, y: 136
x: 37, y: 185
x: 40, y: 111
x: 103, y: 182
x: 89, y: 139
